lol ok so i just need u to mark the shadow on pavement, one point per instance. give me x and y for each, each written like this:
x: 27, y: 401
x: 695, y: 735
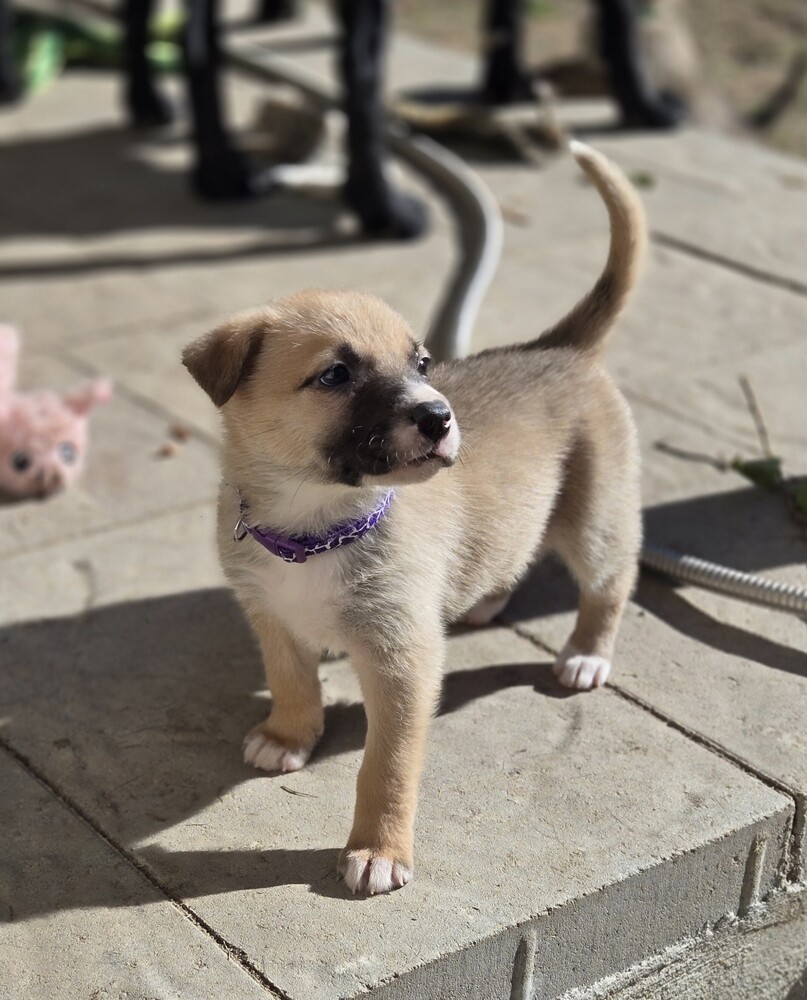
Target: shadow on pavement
x: 798, y: 991
x: 100, y: 182
x: 136, y: 713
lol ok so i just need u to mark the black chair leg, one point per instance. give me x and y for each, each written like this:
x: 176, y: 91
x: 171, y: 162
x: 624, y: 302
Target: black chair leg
x: 619, y: 38
x: 145, y: 104
x: 504, y: 80
x: 381, y: 209
x: 10, y: 84
x: 273, y: 11
x: 221, y: 171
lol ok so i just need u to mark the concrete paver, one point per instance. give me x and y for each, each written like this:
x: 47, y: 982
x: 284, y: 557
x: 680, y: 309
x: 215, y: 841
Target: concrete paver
x: 143, y: 734
x: 692, y: 426
x: 731, y: 672
x: 165, y: 554
x: 718, y: 194
x: 725, y: 196
x: 149, y: 362
x: 79, y: 921
x: 137, y: 259
x: 717, y: 668
x: 742, y: 959
x: 152, y: 368
x: 712, y: 398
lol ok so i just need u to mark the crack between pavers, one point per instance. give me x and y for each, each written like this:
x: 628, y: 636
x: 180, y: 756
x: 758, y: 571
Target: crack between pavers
x: 738, y: 439
x: 108, y: 529
x: 758, y: 274
x: 83, y: 367
x: 234, y: 953
x: 160, y: 325
x: 752, y: 879
x: 141, y: 400
x: 793, y: 860
x: 524, y: 966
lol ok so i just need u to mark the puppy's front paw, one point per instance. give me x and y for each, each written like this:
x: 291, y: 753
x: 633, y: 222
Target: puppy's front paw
x: 373, y: 871
x: 581, y: 670
x: 268, y: 754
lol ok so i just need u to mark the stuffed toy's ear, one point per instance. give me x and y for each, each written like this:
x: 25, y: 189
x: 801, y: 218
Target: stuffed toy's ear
x: 221, y: 360
x: 9, y: 352
x: 88, y: 396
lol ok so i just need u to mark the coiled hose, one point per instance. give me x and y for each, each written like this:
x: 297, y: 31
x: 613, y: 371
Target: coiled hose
x: 480, y: 242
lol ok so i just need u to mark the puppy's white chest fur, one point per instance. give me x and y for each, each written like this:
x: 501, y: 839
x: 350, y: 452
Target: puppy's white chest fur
x: 307, y: 597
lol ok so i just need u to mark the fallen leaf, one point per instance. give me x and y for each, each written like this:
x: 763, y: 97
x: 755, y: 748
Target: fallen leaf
x: 764, y: 472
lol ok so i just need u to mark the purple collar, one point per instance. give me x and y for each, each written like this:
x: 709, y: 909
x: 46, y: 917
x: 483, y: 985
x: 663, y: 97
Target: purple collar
x: 297, y: 550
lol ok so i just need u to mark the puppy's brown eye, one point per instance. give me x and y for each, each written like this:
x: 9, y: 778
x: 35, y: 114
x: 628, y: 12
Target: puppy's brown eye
x: 337, y: 374
x: 20, y: 461
x: 423, y: 365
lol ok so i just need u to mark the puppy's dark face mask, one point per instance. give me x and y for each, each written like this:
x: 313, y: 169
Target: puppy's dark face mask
x: 330, y: 386
x: 394, y: 427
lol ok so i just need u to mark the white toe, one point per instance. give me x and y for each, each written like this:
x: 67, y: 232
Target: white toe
x: 379, y: 876
x: 580, y: 670
x: 268, y: 755
x: 373, y: 876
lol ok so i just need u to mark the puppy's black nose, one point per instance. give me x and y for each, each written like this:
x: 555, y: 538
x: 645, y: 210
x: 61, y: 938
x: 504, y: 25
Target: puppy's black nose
x: 433, y: 419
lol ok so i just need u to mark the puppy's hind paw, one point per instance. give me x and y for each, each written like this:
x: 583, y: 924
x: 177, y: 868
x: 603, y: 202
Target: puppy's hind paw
x: 261, y: 751
x: 370, y: 873
x: 484, y: 611
x: 581, y: 670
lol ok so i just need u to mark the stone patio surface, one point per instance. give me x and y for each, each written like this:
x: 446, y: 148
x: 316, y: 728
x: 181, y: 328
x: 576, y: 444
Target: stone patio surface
x: 646, y: 840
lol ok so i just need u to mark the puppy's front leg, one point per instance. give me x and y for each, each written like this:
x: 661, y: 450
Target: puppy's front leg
x: 400, y: 693
x: 285, y: 740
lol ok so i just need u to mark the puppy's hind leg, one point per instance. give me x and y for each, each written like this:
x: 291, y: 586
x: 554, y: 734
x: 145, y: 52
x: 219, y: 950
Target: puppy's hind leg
x: 585, y: 660
x: 285, y: 740
x: 596, y: 530
x: 484, y: 611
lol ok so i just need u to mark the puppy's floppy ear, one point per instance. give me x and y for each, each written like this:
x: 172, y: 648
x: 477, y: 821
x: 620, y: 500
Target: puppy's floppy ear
x: 222, y: 359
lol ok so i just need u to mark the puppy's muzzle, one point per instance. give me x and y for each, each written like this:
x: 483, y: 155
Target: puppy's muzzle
x: 433, y: 419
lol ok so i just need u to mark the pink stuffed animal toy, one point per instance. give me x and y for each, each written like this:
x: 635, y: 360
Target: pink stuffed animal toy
x: 43, y: 435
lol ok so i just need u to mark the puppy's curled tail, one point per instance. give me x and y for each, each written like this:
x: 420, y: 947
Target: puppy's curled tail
x: 585, y: 327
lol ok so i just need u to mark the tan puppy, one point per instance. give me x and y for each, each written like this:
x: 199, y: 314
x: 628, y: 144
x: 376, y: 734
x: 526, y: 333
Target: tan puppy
x: 328, y: 403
